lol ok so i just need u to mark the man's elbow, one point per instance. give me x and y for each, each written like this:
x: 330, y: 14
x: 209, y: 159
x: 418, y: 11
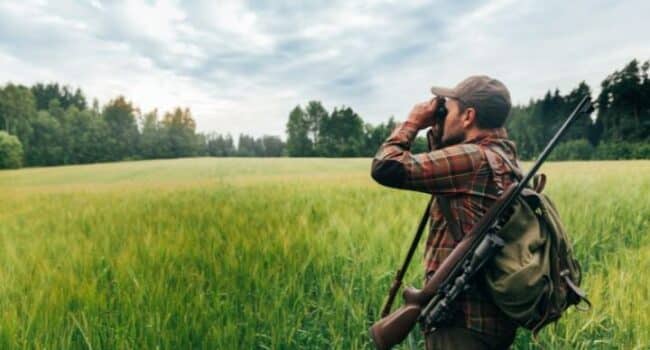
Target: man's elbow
x: 389, y: 173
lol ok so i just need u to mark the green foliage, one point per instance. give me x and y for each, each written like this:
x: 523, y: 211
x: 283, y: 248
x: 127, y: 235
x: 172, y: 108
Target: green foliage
x: 341, y: 134
x: 624, y: 104
x: 47, y: 141
x: 622, y: 150
x: 583, y: 150
x: 85, y: 135
x: 45, y: 93
x: 11, y: 151
x: 248, y: 146
x: 316, y: 114
x: 532, y: 126
x: 55, y: 126
x: 579, y: 149
x: 623, y: 115
x: 298, y: 127
x: 179, y: 127
x: 273, y: 146
x: 152, y: 140
x: 119, y: 115
x: 376, y: 135
x: 420, y: 145
x: 17, y: 111
x: 218, y: 145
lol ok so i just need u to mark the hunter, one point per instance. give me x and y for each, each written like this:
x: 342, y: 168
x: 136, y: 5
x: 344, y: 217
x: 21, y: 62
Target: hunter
x: 457, y: 170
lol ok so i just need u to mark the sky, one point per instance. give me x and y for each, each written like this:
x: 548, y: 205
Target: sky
x: 241, y: 66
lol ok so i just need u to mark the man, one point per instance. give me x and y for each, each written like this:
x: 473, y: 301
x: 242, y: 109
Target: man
x: 465, y: 169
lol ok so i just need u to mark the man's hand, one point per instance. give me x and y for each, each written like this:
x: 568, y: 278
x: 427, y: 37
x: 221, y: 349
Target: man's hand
x: 422, y: 114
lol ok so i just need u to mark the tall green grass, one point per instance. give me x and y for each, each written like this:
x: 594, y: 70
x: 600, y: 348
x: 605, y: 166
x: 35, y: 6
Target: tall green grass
x: 272, y: 253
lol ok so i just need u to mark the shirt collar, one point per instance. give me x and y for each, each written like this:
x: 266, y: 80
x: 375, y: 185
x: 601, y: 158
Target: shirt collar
x: 497, y: 133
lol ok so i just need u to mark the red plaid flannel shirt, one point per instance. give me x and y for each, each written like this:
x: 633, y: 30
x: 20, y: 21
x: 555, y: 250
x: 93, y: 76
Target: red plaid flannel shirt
x: 463, y: 174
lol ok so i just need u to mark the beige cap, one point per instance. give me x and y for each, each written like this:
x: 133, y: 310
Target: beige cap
x: 488, y: 96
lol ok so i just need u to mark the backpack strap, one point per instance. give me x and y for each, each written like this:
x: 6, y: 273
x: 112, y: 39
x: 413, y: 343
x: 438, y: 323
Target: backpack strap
x: 452, y: 224
x: 515, y: 169
x: 539, y: 180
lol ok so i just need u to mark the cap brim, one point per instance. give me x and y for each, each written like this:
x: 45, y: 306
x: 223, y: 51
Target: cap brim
x: 443, y: 92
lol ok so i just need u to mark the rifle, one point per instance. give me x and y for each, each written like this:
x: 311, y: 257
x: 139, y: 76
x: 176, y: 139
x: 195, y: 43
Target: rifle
x: 439, y: 116
x: 431, y: 305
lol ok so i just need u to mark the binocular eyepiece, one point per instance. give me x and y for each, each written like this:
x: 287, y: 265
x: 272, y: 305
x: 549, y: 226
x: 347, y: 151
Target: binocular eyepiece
x: 441, y: 111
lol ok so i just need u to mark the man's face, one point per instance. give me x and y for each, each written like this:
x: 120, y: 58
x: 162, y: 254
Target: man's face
x: 453, y: 130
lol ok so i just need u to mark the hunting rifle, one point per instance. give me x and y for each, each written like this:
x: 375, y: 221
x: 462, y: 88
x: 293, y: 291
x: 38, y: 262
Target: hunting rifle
x: 439, y: 116
x: 431, y: 305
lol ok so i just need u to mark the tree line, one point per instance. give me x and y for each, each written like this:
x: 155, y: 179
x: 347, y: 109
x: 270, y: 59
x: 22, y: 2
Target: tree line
x: 50, y: 124
x: 313, y: 132
x: 620, y: 128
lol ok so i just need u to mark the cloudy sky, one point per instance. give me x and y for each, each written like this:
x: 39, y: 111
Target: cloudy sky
x: 242, y: 66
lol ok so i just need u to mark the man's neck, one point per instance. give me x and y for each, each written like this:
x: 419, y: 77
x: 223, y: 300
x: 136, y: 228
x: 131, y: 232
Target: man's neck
x: 477, y: 134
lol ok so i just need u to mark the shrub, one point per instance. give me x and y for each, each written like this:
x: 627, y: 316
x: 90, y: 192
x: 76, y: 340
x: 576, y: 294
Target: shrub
x: 11, y: 151
x: 579, y: 149
x: 617, y: 150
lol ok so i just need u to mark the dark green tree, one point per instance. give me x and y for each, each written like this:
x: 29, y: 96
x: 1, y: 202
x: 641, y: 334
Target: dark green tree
x: 152, y: 139
x: 623, y: 107
x: 46, y: 142
x: 11, y: 151
x: 246, y: 146
x: 273, y: 146
x: 44, y: 93
x: 120, y: 118
x: 86, y: 134
x: 341, y: 134
x: 315, y: 113
x: 17, y: 111
x: 180, y: 129
x: 376, y: 135
x: 220, y: 146
x: 298, y: 127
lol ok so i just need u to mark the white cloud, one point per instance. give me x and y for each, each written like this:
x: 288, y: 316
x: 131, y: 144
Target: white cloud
x: 241, y: 67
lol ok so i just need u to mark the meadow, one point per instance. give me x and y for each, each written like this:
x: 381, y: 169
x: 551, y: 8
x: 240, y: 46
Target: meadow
x: 211, y: 253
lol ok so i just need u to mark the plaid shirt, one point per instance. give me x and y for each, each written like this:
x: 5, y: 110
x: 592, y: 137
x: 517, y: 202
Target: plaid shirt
x: 463, y: 174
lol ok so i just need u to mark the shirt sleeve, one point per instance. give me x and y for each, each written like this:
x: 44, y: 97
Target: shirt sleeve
x: 445, y: 171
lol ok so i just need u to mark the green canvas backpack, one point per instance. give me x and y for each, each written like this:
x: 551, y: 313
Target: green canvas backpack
x: 535, y: 277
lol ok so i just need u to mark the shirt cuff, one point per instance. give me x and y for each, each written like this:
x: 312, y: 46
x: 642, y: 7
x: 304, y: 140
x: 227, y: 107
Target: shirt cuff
x: 403, y: 134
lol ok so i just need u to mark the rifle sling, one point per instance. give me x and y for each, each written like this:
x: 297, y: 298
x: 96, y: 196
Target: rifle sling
x: 515, y: 169
x: 452, y: 224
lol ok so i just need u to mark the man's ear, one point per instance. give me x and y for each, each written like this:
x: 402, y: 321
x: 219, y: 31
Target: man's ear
x: 469, y: 118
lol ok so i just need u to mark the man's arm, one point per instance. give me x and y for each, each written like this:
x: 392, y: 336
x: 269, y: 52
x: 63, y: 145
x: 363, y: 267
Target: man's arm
x: 448, y: 170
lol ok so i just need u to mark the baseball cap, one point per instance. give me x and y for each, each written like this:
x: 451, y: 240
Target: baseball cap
x: 487, y: 95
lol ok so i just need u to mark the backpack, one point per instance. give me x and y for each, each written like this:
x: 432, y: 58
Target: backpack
x: 535, y: 277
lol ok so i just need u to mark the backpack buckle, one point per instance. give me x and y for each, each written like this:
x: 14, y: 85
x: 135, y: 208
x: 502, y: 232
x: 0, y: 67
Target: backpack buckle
x: 582, y: 295
x: 539, y: 181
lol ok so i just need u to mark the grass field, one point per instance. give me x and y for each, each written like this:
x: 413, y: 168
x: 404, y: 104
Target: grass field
x: 272, y: 254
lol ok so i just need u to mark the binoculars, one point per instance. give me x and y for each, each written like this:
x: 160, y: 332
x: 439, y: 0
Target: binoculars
x: 441, y: 111
x: 439, y: 116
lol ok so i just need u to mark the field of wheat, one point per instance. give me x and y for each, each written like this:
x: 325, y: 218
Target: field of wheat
x: 233, y: 253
